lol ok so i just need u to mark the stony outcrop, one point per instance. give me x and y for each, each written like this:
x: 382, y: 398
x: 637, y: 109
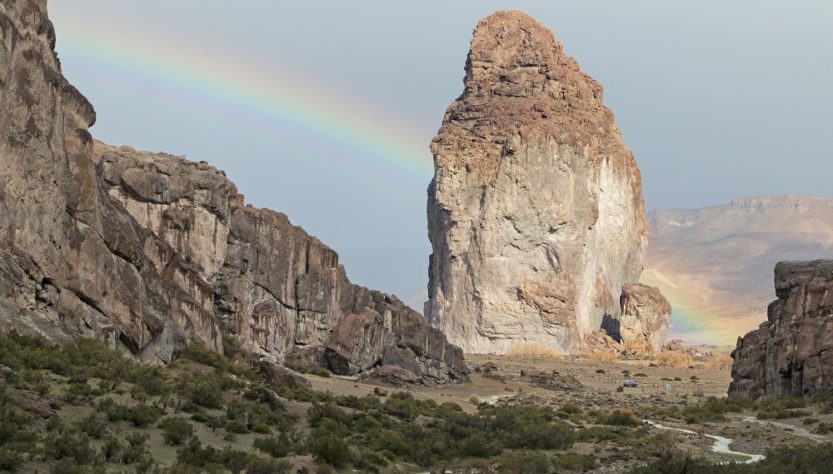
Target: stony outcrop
x: 790, y: 353
x: 643, y: 324
x: 535, y: 212
x: 150, y: 252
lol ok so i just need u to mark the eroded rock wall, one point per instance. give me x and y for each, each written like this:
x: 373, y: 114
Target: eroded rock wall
x: 790, y: 353
x: 150, y: 252
x: 535, y: 212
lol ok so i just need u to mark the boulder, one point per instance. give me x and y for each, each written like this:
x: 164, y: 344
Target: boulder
x: 643, y: 323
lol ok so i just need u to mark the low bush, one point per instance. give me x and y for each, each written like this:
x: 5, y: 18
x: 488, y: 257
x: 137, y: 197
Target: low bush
x: 93, y: 426
x: 140, y: 415
x: 574, y: 462
x: 176, y: 430
x: 524, y: 462
x: 329, y: 448
x: 277, y: 447
x: 620, y: 418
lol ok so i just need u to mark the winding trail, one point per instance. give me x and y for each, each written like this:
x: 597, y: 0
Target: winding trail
x: 720, y: 445
x: 792, y: 429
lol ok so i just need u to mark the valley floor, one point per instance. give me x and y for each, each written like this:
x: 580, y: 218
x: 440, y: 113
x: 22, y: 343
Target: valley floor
x: 83, y: 409
x: 663, y: 395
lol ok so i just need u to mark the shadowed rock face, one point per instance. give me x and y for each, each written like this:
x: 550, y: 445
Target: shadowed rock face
x: 790, y: 353
x: 150, y: 252
x: 535, y: 212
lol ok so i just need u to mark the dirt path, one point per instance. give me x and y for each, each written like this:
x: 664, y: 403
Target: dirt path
x: 719, y: 446
x: 792, y: 429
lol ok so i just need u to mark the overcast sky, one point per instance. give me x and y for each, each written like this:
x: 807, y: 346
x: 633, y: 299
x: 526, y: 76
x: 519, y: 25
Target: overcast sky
x: 718, y: 99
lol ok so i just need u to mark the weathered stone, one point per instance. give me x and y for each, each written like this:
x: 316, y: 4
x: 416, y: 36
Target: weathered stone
x: 790, y: 353
x: 396, y: 376
x: 32, y: 402
x: 535, y: 212
x: 149, y: 252
x: 356, y: 342
x: 279, y: 376
x: 643, y: 324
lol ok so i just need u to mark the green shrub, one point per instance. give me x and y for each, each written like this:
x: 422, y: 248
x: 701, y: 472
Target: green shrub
x: 176, y: 430
x: 71, y: 466
x: 68, y: 446
x: 231, y: 346
x: 329, y: 448
x: 10, y: 460
x: 205, y: 356
x: 237, y: 427
x: 135, y: 450
x: 140, y: 415
x: 365, y: 403
x: 112, y: 450
x: 621, y: 418
x: 256, y: 465
x: 93, y: 427
x: 277, y: 447
x: 524, y: 462
x: 574, y: 462
x: 204, y: 390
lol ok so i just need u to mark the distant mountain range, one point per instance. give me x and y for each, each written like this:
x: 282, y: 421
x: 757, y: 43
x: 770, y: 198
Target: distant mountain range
x: 716, y: 264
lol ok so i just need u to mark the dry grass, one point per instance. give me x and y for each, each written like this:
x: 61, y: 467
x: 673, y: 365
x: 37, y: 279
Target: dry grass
x: 639, y: 346
x: 677, y: 360
x: 601, y: 356
x: 720, y: 361
x: 534, y: 350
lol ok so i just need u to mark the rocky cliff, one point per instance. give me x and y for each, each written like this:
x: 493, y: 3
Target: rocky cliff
x: 150, y: 252
x: 535, y: 212
x: 790, y: 353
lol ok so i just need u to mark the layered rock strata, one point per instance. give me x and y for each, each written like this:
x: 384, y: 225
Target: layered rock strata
x: 790, y: 353
x: 150, y: 252
x: 535, y: 212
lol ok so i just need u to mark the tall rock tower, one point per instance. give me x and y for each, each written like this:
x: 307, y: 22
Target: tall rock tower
x: 535, y: 212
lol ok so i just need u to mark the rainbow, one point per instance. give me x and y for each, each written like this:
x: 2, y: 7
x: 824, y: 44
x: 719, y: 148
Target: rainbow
x: 350, y: 134
x: 694, y: 321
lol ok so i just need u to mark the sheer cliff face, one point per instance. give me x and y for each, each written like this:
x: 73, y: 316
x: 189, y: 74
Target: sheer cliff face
x: 789, y: 354
x: 535, y: 212
x: 150, y: 252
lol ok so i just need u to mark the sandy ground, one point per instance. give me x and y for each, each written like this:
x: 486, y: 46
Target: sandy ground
x: 600, y: 381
